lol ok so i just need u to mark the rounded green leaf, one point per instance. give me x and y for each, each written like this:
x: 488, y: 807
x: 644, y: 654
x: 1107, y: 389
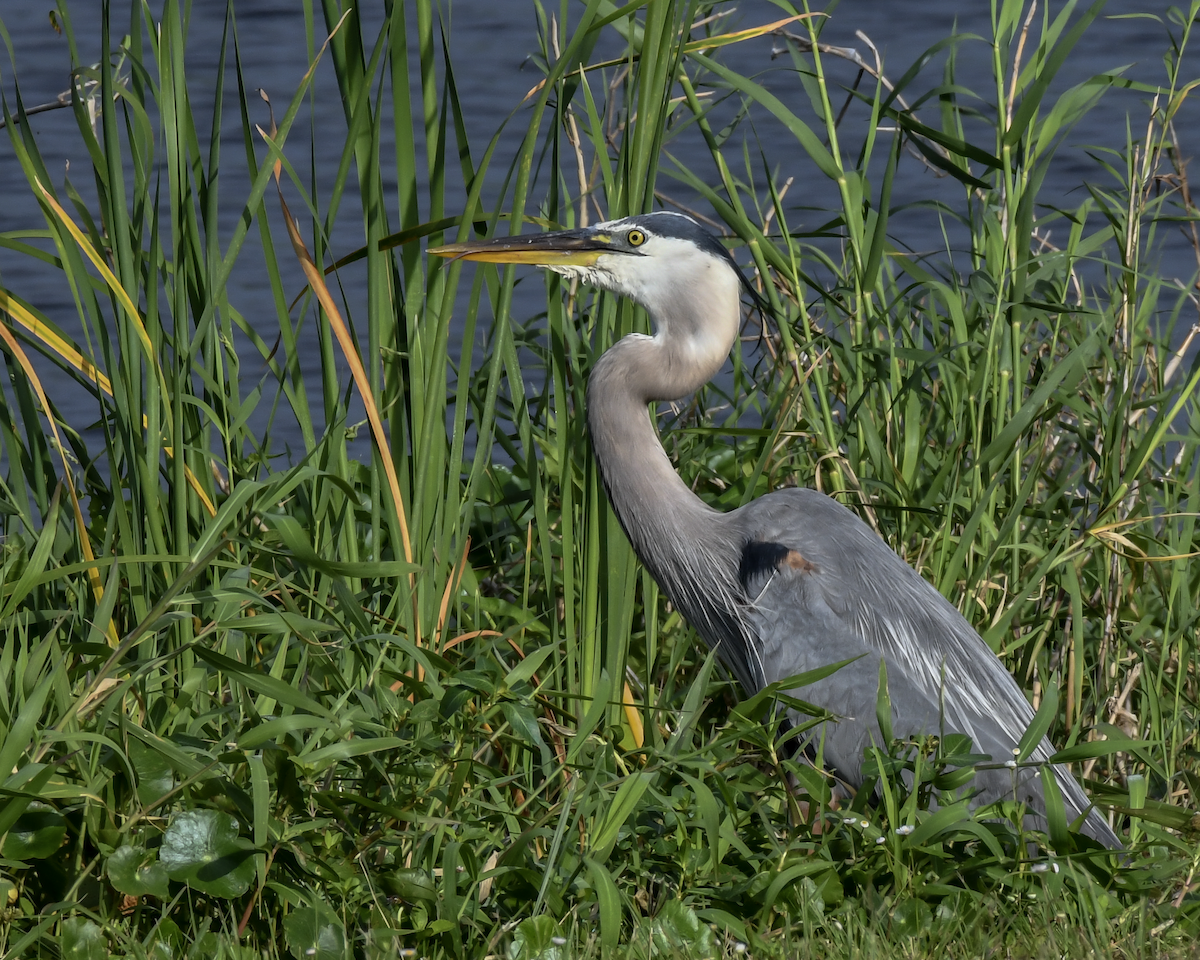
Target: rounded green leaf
x: 38, y: 832
x: 411, y: 884
x: 315, y: 933
x: 136, y: 872
x: 523, y: 722
x: 538, y: 938
x: 677, y: 930
x: 155, y: 777
x: 81, y: 939
x: 202, y: 848
x: 911, y: 918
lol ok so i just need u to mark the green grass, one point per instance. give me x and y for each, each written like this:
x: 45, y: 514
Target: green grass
x: 429, y: 702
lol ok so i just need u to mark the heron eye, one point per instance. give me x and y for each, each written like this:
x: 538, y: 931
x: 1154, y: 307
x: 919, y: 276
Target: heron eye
x: 635, y: 237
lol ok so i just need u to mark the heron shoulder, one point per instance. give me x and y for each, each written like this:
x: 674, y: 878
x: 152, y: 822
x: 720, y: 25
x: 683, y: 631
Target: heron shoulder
x: 805, y: 553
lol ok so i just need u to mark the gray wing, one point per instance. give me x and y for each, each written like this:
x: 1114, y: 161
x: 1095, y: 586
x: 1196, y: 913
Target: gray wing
x: 823, y: 587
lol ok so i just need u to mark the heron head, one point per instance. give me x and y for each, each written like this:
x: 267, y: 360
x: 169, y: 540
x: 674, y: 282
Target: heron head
x: 665, y: 261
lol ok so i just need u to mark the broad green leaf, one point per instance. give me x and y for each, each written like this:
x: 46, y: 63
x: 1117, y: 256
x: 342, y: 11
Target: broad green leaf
x: 677, y: 931
x: 604, y: 834
x: 205, y: 947
x: 1038, y: 726
x: 82, y: 939
x: 609, y: 902
x: 261, y: 682
x: 1056, y: 812
x: 788, y: 876
x: 411, y: 884
x: 523, y: 722
x: 315, y: 933
x: 595, y: 713
x: 136, y: 872
x: 883, y: 706
x: 1096, y: 748
x: 538, y: 938
x: 155, y: 775
x: 203, y: 849
x: 277, y: 729
x: 36, y: 835
x: 166, y: 941
x: 524, y: 671
x: 319, y: 759
x: 911, y: 918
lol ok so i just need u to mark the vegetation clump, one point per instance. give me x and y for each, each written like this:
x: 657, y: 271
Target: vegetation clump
x: 275, y: 691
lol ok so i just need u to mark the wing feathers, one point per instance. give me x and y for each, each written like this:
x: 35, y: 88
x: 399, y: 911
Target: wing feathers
x: 822, y: 586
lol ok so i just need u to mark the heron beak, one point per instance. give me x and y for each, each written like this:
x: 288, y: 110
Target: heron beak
x: 579, y: 248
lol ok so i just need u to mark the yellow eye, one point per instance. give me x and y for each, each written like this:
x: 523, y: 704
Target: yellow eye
x: 635, y: 237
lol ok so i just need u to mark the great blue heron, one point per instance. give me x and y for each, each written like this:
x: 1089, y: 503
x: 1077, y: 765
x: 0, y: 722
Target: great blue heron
x: 794, y: 580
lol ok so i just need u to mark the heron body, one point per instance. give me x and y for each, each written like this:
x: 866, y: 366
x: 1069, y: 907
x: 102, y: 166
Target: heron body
x: 792, y: 581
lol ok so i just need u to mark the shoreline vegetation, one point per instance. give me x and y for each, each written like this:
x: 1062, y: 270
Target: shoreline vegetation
x: 427, y: 704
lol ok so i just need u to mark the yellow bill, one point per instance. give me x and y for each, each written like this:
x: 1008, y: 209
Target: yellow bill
x: 567, y: 247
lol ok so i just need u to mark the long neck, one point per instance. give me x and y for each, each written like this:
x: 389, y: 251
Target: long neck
x: 697, y: 323
x: 687, y: 546
x: 647, y: 494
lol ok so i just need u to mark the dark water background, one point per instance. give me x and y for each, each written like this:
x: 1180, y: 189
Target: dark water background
x: 490, y: 41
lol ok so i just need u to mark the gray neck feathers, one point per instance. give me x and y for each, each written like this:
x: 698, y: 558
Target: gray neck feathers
x: 687, y: 546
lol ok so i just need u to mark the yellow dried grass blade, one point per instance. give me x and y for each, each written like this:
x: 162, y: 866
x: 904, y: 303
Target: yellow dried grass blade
x: 72, y: 356
x: 350, y: 351
x: 725, y: 39
x: 633, y: 718
x: 50, y: 338
x: 345, y: 341
x: 110, y: 279
x: 135, y: 317
x: 93, y: 572
x: 1107, y: 532
x: 357, y: 370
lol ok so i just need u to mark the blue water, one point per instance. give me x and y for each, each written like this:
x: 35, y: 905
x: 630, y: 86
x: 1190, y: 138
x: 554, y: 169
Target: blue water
x: 490, y: 43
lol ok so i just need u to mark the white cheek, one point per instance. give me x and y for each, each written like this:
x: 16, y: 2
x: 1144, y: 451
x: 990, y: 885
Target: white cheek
x: 680, y: 287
